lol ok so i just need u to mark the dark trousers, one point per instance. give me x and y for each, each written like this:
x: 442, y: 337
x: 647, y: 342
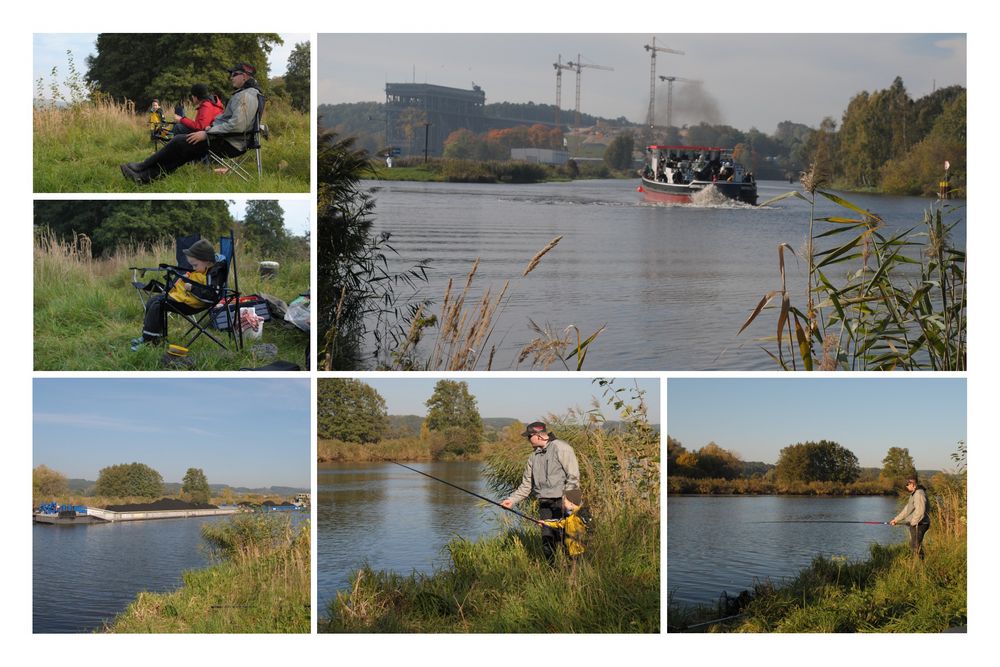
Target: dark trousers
x: 178, y: 152
x: 550, y: 509
x: 156, y: 315
x: 917, y: 539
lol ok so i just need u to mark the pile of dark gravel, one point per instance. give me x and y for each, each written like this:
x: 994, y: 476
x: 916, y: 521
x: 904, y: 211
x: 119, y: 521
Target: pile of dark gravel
x: 271, y: 503
x: 161, y: 504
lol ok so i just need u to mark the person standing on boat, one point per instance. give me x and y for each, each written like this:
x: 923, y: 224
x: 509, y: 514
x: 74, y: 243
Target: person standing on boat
x: 916, y: 514
x: 551, y: 471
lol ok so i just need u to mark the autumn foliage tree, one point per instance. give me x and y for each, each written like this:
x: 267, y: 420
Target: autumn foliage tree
x: 47, y: 484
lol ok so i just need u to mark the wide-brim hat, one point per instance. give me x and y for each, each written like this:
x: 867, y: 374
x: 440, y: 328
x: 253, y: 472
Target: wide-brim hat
x: 201, y: 250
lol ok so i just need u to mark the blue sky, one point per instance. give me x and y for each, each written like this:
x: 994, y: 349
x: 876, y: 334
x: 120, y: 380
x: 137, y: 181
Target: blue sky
x: 757, y: 417
x: 749, y: 80
x: 526, y: 399
x: 298, y: 213
x: 49, y: 50
x: 247, y: 432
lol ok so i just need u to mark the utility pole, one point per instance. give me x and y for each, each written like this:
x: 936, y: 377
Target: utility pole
x: 653, y: 49
x: 577, y: 66
x: 427, y: 127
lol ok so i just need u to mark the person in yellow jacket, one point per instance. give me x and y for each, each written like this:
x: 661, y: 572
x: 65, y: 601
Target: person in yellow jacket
x: 573, y: 527
x: 184, y: 296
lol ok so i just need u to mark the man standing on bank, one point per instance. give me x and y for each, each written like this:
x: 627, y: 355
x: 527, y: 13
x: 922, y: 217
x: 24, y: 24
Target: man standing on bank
x: 551, y: 470
x: 916, y: 514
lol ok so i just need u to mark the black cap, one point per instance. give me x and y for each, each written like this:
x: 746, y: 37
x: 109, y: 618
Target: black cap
x: 243, y: 68
x: 202, y: 250
x: 534, y: 428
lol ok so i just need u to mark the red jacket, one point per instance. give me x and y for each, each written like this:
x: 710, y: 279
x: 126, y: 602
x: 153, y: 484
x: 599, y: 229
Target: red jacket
x: 207, y: 111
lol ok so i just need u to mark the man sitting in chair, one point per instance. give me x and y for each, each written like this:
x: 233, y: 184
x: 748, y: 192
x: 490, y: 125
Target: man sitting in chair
x: 184, y: 297
x: 226, y: 134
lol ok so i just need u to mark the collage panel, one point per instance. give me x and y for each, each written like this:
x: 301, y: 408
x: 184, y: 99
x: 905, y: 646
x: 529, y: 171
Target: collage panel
x: 210, y: 112
x: 142, y: 285
x: 817, y: 505
x: 677, y: 219
x: 171, y: 506
x: 488, y: 505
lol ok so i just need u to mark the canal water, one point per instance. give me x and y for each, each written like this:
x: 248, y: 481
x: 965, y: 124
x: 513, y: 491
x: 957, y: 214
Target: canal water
x: 722, y: 543
x: 82, y: 576
x: 394, y: 519
x: 673, y: 283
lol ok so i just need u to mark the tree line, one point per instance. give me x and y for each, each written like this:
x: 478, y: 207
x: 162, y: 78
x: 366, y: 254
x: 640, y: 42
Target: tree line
x: 145, y: 66
x: 352, y: 411
x: 112, y: 224
x: 123, y: 480
x: 803, y: 463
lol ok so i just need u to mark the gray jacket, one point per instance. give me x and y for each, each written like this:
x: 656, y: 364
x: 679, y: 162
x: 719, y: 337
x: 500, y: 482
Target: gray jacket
x: 916, y: 510
x: 550, y: 471
x: 236, y: 120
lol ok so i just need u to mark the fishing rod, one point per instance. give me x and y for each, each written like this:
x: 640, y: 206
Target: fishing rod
x: 870, y: 523
x: 471, y: 493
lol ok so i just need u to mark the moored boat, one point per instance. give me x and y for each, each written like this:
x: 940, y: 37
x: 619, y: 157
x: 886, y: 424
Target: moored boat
x: 675, y: 174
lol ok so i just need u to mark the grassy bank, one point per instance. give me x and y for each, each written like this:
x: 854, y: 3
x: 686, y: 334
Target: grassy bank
x: 396, y: 449
x: 260, y: 584
x: 78, y: 148
x: 451, y: 170
x: 888, y: 592
x: 761, y: 487
x: 86, y: 311
x: 503, y: 584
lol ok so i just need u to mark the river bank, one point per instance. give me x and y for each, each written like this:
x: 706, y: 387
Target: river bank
x: 449, y: 170
x: 887, y: 592
x: 397, y: 449
x: 260, y: 584
x: 759, y: 487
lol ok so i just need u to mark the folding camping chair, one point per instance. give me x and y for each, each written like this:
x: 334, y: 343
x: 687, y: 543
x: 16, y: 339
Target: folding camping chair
x: 221, y: 295
x: 234, y: 165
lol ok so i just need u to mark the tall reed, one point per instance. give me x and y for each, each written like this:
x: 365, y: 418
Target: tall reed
x: 878, y: 316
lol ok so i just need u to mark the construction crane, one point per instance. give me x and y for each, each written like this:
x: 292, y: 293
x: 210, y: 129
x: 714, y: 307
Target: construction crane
x: 559, y: 66
x: 670, y: 95
x: 578, y: 66
x: 653, y: 49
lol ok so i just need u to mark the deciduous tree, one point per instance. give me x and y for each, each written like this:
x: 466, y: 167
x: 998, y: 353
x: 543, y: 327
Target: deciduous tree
x: 195, y: 487
x: 297, y: 77
x: 129, y: 479
x: 47, y: 484
x: 897, y: 465
x: 822, y: 461
x: 350, y: 410
x: 451, y: 406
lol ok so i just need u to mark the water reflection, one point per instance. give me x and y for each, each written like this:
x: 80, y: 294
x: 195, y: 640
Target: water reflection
x: 717, y: 543
x: 394, y: 519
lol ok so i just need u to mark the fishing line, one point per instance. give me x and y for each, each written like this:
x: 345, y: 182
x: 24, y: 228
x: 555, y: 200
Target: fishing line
x: 870, y: 523
x: 471, y: 493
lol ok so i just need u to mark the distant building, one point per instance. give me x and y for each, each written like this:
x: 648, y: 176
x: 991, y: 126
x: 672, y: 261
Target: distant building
x: 438, y: 111
x: 542, y: 155
x: 419, y: 112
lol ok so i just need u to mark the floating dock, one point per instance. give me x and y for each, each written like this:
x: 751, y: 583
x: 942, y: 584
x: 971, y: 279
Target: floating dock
x: 98, y: 515
x: 146, y: 515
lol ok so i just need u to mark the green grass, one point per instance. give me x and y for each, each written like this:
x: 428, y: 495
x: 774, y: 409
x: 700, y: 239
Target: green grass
x: 80, y: 148
x: 86, y: 312
x: 260, y: 585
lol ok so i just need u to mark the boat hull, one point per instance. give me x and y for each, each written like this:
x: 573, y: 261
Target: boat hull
x: 672, y: 193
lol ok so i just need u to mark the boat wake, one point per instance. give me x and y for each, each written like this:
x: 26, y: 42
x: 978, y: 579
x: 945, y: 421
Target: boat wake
x: 709, y: 197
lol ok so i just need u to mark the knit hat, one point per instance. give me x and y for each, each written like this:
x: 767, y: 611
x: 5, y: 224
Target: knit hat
x: 201, y: 249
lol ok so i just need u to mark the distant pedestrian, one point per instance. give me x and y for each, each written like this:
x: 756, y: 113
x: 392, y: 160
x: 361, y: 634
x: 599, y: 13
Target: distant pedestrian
x: 551, y: 471
x: 916, y: 514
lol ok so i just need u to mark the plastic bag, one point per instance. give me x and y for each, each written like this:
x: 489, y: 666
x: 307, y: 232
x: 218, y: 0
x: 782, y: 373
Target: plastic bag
x: 298, y: 314
x: 251, y: 323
